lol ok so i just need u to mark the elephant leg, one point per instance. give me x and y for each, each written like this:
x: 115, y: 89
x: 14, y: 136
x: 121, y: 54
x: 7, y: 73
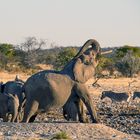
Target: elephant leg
x: 70, y: 111
x: 14, y: 116
x: 30, y: 110
x: 19, y: 116
x: 21, y: 111
x: 65, y: 114
x: 73, y: 113
x: 32, y: 119
x: 80, y: 109
x: 83, y: 93
x: 5, y: 117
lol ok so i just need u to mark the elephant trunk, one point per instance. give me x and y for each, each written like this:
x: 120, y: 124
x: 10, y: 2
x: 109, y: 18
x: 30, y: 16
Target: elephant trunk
x: 95, y: 46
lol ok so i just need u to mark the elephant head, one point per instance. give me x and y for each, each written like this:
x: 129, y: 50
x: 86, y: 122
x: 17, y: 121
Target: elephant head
x: 82, y: 66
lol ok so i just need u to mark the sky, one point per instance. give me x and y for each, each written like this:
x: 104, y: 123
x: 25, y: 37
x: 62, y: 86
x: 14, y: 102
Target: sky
x: 71, y: 22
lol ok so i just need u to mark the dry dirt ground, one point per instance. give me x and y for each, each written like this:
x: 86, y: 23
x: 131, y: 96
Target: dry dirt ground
x: 112, y: 126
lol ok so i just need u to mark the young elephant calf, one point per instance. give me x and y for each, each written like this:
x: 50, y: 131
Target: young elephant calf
x: 74, y: 111
x: 115, y: 97
x: 8, y: 105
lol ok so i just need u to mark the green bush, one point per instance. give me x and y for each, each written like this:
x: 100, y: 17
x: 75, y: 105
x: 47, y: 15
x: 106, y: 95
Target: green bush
x: 129, y: 64
x: 122, y: 51
x: 61, y: 135
x: 7, y: 55
x: 64, y: 57
x: 105, y: 63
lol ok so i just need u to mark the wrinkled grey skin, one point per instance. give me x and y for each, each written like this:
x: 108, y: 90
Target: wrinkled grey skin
x: 51, y: 89
x: 8, y: 105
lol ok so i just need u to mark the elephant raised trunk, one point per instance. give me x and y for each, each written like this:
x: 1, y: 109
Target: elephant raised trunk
x: 91, y: 42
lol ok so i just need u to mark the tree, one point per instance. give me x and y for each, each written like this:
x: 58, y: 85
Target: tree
x: 121, y: 52
x: 105, y: 63
x: 7, y: 53
x: 129, y: 64
x: 30, y: 49
x: 64, y: 57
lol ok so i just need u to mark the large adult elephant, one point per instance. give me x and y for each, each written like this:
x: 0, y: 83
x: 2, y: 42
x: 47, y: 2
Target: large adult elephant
x: 50, y: 89
x: 8, y: 105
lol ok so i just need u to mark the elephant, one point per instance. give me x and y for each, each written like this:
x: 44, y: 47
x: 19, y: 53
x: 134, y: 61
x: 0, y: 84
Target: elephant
x: 16, y: 87
x: 9, y: 104
x: 52, y: 89
x: 73, y: 111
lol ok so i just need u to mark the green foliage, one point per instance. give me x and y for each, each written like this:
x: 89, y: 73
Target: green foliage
x: 105, y: 63
x: 29, y: 53
x: 129, y: 64
x: 64, y: 57
x: 121, y: 52
x: 7, y: 55
x: 61, y: 135
x: 30, y: 49
x: 7, y: 50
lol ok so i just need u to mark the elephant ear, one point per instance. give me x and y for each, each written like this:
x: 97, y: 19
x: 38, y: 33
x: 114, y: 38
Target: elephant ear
x: 77, y: 71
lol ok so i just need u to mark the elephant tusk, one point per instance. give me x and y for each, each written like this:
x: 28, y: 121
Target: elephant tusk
x: 106, y: 52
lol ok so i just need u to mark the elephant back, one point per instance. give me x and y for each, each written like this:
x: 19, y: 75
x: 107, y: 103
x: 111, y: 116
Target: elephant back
x: 15, y: 87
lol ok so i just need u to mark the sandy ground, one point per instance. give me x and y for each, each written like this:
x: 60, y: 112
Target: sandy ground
x: 116, y: 85
x: 76, y: 131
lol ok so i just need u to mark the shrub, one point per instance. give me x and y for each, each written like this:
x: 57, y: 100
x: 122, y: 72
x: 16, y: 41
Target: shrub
x: 7, y: 55
x: 105, y: 64
x: 129, y: 64
x: 61, y: 135
x: 64, y: 57
x: 121, y: 52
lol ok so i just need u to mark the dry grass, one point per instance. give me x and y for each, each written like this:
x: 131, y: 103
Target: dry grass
x: 5, y: 76
x: 115, y: 84
x: 118, y: 85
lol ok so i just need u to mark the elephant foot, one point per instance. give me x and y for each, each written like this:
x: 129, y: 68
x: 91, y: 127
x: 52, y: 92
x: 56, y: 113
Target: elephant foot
x: 95, y: 121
